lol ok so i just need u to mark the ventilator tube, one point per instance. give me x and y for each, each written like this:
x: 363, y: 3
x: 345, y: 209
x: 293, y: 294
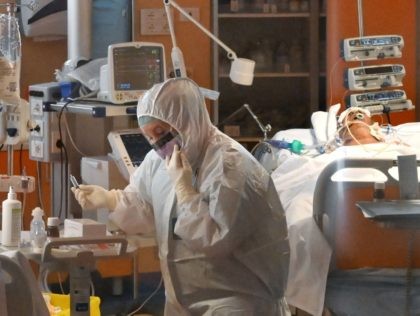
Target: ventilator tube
x: 295, y: 146
x: 11, y: 220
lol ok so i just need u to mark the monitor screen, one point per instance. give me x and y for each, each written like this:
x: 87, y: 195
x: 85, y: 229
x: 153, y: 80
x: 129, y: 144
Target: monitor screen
x: 137, y: 67
x: 129, y: 149
x: 378, y: 70
x: 137, y: 147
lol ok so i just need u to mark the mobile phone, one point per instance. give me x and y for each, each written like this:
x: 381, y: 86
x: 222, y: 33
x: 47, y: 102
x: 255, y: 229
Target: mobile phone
x: 74, y: 181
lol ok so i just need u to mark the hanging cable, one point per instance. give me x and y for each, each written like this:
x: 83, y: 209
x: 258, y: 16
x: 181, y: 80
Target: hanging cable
x: 64, y: 155
x: 147, y: 299
x: 331, y: 81
x: 39, y: 183
x: 71, y: 138
x: 64, y: 166
x: 21, y: 159
x: 360, y: 19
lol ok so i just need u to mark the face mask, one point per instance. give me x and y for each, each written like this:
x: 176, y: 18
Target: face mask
x: 165, y: 145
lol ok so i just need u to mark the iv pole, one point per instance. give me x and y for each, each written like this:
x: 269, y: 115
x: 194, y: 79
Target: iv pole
x: 11, y: 10
x: 14, y: 110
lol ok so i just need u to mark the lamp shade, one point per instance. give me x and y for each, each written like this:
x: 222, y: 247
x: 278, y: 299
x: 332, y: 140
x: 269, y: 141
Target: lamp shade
x: 242, y: 71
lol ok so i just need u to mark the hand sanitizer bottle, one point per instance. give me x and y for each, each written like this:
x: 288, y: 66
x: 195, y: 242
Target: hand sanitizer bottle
x: 11, y: 220
x: 38, y: 233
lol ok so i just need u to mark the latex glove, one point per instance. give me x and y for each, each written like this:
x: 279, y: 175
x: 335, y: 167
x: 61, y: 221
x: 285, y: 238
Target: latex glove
x: 180, y: 172
x: 92, y: 197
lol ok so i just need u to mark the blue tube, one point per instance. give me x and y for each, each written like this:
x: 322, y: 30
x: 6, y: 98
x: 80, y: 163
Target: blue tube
x: 280, y: 144
x: 295, y: 146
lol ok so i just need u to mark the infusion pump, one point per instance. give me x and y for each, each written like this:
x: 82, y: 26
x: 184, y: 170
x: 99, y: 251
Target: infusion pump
x: 374, y: 77
x: 372, y: 47
x: 381, y: 101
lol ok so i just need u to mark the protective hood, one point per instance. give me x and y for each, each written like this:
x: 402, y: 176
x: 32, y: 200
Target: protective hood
x: 179, y: 103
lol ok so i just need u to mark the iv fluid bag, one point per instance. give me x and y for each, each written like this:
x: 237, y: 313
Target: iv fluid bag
x: 10, y: 60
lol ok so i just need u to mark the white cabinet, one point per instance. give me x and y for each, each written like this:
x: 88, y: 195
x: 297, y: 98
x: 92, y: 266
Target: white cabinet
x: 283, y: 38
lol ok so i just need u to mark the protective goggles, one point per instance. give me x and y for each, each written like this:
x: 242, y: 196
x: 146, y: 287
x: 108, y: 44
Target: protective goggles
x: 165, y: 145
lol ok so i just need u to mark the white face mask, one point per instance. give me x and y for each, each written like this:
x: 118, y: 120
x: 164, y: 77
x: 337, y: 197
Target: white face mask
x: 165, y: 145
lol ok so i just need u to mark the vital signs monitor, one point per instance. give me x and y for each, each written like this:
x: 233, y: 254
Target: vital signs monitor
x: 129, y: 147
x: 132, y: 68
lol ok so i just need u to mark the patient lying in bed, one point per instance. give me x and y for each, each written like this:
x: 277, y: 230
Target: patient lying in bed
x: 295, y: 179
x: 356, y: 128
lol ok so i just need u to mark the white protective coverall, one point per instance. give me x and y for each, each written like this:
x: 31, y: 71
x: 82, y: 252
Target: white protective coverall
x: 226, y: 250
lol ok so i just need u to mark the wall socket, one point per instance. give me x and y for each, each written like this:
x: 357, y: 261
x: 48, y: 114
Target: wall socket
x: 42, y: 141
x: 193, y: 12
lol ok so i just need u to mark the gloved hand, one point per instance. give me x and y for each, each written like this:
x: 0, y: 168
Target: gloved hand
x: 92, y: 197
x: 180, y: 172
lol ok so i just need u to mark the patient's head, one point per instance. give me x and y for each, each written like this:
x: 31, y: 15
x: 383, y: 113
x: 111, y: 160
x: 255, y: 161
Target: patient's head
x: 356, y: 127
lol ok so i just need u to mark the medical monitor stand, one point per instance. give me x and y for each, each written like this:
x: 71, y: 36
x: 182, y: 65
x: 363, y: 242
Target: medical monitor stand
x: 89, y: 133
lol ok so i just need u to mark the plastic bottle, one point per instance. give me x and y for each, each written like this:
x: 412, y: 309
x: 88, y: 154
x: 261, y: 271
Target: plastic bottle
x: 11, y: 220
x: 38, y: 233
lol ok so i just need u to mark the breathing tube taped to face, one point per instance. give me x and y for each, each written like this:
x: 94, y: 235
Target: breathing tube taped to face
x: 165, y: 145
x: 354, y: 116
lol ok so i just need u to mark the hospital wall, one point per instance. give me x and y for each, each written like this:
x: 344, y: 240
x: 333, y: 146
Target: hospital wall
x: 380, y: 17
x: 195, y: 45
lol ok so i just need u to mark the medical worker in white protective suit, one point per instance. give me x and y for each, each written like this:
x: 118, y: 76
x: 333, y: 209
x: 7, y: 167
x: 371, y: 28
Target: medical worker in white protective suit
x: 220, y: 228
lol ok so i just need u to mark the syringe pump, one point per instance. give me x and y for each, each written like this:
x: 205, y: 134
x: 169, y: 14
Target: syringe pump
x: 372, y: 47
x: 374, y: 77
x: 381, y: 101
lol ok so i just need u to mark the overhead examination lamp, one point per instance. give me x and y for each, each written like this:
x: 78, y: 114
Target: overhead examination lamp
x: 242, y: 69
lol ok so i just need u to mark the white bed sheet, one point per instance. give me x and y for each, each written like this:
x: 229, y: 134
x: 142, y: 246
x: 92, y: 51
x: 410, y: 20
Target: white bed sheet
x: 295, y: 181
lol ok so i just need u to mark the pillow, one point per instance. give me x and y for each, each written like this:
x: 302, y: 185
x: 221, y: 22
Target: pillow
x: 325, y: 124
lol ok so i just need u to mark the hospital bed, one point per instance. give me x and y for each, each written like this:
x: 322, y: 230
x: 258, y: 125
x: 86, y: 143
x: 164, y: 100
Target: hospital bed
x: 373, y: 256
x: 19, y: 291
x: 323, y: 220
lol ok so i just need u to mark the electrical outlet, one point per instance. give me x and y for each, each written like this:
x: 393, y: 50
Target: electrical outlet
x: 193, y: 12
x: 36, y: 149
x: 38, y: 128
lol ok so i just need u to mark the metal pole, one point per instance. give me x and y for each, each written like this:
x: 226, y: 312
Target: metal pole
x: 79, y: 31
x: 9, y: 160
